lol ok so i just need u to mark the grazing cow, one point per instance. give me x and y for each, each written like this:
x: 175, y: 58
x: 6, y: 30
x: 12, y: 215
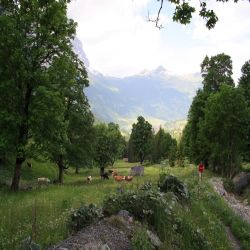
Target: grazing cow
x: 128, y: 178
x: 137, y: 171
x: 43, y: 180
x: 89, y: 179
x: 105, y: 176
x: 119, y: 178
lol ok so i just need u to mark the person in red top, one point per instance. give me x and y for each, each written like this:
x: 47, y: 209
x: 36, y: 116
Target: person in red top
x: 201, y: 168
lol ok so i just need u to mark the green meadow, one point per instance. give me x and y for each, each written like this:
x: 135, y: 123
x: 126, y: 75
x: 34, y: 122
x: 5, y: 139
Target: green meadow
x: 43, y: 212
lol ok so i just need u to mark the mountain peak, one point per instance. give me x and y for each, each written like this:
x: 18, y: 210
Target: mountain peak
x: 160, y: 70
x: 78, y: 48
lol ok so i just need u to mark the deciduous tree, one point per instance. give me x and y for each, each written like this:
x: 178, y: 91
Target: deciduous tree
x: 33, y: 34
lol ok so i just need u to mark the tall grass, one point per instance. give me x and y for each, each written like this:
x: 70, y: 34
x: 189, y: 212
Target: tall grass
x: 43, y: 212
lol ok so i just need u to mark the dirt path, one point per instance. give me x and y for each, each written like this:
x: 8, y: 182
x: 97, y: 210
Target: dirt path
x: 238, y: 207
x: 234, y: 242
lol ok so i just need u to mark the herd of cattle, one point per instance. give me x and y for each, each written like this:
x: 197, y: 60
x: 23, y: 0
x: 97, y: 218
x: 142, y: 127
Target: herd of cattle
x: 134, y: 171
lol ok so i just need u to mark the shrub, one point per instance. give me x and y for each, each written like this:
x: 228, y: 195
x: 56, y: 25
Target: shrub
x: 228, y: 185
x: 143, y: 205
x: 140, y: 240
x: 169, y: 183
x: 84, y: 216
x: 146, y: 186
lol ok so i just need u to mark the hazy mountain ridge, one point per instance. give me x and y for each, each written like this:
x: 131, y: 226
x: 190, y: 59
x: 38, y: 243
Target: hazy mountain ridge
x: 157, y: 95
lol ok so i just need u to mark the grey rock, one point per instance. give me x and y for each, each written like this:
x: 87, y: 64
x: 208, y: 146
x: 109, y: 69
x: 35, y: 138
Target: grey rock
x: 241, y: 181
x: 105, y: 247
x: 124, y: 213
x: 154, y: 239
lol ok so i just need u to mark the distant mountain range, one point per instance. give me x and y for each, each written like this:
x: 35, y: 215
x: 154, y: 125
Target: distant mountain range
x: 160, y: 97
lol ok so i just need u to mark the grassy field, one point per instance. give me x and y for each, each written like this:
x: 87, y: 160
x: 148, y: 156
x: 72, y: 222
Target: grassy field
x: 43, y: 212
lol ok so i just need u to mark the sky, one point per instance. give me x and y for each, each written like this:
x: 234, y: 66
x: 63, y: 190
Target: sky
x: 119, y: 40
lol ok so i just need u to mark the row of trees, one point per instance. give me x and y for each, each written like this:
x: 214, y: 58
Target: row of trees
x: 43, y: 109
x: 218, y: 128
x: 144, y: 144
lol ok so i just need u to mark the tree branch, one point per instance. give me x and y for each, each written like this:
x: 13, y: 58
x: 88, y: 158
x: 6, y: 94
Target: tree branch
x: 157, y: 19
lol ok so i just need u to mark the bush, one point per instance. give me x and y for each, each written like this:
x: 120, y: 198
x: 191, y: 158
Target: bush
x: 228, y: 185
x: 140, y: 240
x: 84, y: 216
x: 146, y: 186
x: 169, y: 183
x: 143, y: 205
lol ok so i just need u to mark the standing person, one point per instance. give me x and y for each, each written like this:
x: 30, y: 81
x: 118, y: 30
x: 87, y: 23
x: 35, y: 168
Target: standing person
x: 201, y: 168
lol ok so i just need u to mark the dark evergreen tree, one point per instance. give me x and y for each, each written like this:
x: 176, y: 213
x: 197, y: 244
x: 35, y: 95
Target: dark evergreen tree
x: 244, y: 85
x: 224, y: 129
x: 141, y: 138
x: 161, y: 145
x: 216, y: 71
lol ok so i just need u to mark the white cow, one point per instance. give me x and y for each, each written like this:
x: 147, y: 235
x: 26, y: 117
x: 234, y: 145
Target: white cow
x: 43, y: 180
x: 89, y: 179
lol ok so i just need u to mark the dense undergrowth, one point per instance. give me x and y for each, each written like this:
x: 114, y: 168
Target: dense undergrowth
x: 43, y: 213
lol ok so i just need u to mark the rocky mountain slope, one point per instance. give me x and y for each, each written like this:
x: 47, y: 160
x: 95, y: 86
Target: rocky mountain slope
x: 157, y: 95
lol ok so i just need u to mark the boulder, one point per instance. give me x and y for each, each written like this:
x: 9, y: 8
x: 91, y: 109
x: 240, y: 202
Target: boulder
x: 241, y: 181
x: 154, y: 239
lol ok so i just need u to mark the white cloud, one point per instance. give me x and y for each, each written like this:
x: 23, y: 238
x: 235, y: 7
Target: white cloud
x: 119, y: 41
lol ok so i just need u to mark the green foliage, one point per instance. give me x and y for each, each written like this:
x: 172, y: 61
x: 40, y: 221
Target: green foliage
x: 146, y: 186
x: 109, y: 144
x: 244, y: 81
x: 170, y: 183
x: 206, y: 138
x: 225, y: 141
x: 117, y: 142
x: 39, y: 75
x: 71, y: 126
x: 162, y: 146
x: 216, y: 71
x: 141, y: 138
x: 144, y: 205
x: 228, y: 185
x: 140, y: 239
x: 84, y: 216
x: 244, y: 85
x: 194, y: 146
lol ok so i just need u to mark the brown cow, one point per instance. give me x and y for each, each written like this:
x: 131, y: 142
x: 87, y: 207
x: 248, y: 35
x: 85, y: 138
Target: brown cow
x: 119, y: 178
x: 128, y: 178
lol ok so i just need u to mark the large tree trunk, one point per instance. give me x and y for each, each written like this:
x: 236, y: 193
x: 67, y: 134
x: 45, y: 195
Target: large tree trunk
x: 17, y: 174
x: 61, y: 169
x: 22, y: 137
x: 141, y: 156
